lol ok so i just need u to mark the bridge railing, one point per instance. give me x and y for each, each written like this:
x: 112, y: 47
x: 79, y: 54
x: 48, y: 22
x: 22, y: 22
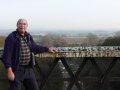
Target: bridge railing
x: 96, y: 51
x: 109, y: 55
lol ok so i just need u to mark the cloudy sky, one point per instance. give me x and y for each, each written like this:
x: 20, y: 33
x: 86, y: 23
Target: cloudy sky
x: 61, y: 14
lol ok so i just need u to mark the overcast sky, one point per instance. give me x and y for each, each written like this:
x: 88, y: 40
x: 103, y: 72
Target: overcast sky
x: 61, y: 14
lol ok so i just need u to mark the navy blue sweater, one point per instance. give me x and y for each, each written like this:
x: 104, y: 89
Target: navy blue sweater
x: 12, y: 49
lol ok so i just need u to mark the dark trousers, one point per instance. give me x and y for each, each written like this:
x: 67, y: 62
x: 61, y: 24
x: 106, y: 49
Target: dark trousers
x: 25, y: 76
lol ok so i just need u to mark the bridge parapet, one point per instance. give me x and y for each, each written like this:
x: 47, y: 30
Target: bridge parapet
x: 89, y: 55
x: 93, y: 51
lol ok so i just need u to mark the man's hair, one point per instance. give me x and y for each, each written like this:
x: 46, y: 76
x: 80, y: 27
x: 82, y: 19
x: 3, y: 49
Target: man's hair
x: 21, y: 20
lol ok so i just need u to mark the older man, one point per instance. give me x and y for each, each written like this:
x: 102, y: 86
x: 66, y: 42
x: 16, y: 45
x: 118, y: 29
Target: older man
x: 18, y: 58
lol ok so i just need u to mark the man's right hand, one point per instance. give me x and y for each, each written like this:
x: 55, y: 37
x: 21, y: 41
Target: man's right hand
x: 10, y: 74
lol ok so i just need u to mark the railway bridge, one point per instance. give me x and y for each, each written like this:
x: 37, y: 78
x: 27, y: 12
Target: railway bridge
x: 81, y: 66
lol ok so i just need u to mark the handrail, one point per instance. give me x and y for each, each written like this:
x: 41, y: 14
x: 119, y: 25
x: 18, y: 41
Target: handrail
x: 82, y: 51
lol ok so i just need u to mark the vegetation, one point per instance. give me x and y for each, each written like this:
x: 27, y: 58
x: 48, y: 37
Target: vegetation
x: 91, y: 40
x: 2, y: 39
x: 60, y: 41
x: 112, y: 41
x: 53, y: 40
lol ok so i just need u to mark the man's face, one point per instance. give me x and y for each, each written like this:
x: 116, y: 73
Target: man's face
x: 22, y: 26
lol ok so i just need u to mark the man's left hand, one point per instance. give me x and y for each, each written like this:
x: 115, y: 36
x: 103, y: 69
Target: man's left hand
x: 52, y: 50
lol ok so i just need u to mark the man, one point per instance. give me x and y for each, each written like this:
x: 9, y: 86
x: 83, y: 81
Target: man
x: 18, y: 57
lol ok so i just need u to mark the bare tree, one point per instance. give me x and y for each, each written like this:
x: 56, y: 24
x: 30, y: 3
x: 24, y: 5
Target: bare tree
x: 91, y: 40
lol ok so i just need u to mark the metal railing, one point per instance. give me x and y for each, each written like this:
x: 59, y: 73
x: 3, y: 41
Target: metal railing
x: 96, y: 51
x: 92, y: 56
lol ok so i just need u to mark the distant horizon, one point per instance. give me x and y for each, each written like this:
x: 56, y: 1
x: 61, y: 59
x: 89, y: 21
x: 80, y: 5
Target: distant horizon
x: 40, y: 29
x: 4, y: 31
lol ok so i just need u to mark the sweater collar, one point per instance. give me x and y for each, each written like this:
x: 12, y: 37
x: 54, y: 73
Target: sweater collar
x: 18, y: 35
